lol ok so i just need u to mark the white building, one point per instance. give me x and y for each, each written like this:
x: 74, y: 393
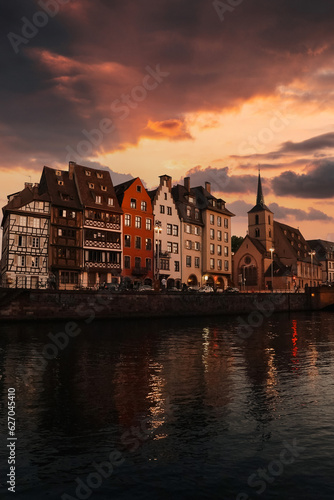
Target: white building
x: 25, y: 242
x: 167, y: 238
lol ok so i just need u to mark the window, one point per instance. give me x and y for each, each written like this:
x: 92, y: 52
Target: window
x: 60, y: 183
x: 37, y: 223
x: 127, y: 262
x: 188, y: 244
x: 21, y: 241
x: 219, y: 235
x: 98, y: 199
x: 103, y: 188
x: 169, y: 246
x: 99, y: 175
x: 187, y: 228
x: 143, y: 205
x: 164, y: 264
x: 212, y: 263
x: 127, y: 220
x: 269, y: 233
x: 110, y: 202
x: 23, y: 221
x: 137, y: 262
x: 197, y: 230
x: 256, y: 219
x: 138, y: 222
x: 219, y: 264
x: 177, y: 266
x: 188, y: 261
x: 148, y: 224
x: 269, y: 221
x: 90, y: 185
x: 219, y: 221
x: 87, y: 172
x: 188, y: 212
x: 219, y: 249
x: 226, y: 265
x: 73, y: 215
x: 162, y: 209
x: 148, y: 244
x: 34, y: 262
x: 138, y: 242
x: 226, y: 251
x: 58, y: 173
x: 197, y: 262
x: 169, y: 210
x: 138, y: 189
x: 35, y: 242
x: 22, y: 260
x: 226, y: 223
x: 212, y: 234
x: 257, y: 233
x: 212, y: 219
x: 196, y: 213
x: 169, y: 229
x: 226, y: 237
x: 175, y: 248
x: 175, y: 230
x: 127, y: 241
x: 165, y: 196
x: 197, y: 245
x: 133, y: 203
x: 148, y: 261
x: 212, y: 249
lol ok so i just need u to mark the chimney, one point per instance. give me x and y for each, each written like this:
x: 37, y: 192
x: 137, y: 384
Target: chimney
x: 28, y: 185
x: 168, y: 180
x: 36, y: 185
x: 71, y: 165
x: 208, y: 186
x: 187, y: 183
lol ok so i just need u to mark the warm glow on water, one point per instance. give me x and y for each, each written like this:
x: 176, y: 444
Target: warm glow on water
x: 194, y: 411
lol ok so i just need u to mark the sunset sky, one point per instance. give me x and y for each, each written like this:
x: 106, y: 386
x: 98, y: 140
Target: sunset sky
x: 183, y: 87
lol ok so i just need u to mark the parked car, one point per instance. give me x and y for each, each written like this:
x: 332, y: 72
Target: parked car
x: 173, y: 289
x: 145, y: 288
x: 231, y: 289
x: 206, y: 289
x: 110, y: 287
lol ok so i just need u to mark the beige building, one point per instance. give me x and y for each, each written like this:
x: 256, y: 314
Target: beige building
x: 216, y: 240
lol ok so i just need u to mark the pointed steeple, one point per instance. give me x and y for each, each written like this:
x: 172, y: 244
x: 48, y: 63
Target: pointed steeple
x: 260, y: 197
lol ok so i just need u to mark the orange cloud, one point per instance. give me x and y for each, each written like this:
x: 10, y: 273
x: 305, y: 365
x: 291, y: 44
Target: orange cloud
x: 173, y: 129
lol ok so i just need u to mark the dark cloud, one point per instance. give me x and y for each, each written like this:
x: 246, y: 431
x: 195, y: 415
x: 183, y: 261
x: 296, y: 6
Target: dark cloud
x: 323, y: 141
x: 298, y: 214
x: 317, y: 183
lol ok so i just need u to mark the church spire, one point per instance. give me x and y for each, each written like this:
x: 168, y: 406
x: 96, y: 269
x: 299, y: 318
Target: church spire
x: 260, y: 197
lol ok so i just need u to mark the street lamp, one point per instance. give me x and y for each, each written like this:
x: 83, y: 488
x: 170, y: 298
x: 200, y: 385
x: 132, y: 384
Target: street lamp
x: 158, y: 230
x: 312, y: 254
x: 272, y: 250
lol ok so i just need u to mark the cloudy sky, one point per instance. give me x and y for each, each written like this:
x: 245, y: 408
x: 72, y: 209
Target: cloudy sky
x: 214, y: 90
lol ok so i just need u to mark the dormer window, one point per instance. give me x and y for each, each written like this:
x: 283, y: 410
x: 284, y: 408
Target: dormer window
x: 88, y: 173
x: 99, y: 175
x: 60, y: 183
x: 91, y: 185
x: 103, y: 188
x: 191, y: 199
x: 98, y: 199
x: 111, y: 201
x: 58, y: 173
x: 188, y: 211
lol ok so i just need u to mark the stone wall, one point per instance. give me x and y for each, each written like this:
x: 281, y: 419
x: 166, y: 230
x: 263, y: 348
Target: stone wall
x: 41, y: 304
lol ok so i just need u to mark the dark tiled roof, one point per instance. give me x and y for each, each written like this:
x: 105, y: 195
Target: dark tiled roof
x: 121, y: 188
x: 22, y: 198
x: 322, y: 247
x: 260, y: 205
x: 62, y: 195
x: 280, y: 269
x: 152, y: 193
x: 99, y: 179
x: 204, y: 201
x: 295, y: 238
x: 180, y: 195
x: 258, y: 245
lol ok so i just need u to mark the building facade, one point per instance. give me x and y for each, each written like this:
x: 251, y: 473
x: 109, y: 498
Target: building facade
x: 273, y: 255
x: 324, y: 253
x: 191, y: 235
x: 102, y: 226
x: 25, y: 243
x: 65, y: 244
x: 167, y: 246
x: 216, y: 240
x: 138, y: 231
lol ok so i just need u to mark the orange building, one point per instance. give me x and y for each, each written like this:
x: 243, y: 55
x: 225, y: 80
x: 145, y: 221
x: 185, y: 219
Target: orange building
x: 138, y: 231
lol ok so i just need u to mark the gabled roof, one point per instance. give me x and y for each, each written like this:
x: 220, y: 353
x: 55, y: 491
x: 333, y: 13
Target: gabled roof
x: 260, y: 205
x: 121, y: 188
x: 152, y: 194
x: 180, y: 195
x: 279, y: 269
x: 205, y: 201
x: 21, y: 198
x: 295, y: 238
x: 61, y: 188
x: 322, y: 247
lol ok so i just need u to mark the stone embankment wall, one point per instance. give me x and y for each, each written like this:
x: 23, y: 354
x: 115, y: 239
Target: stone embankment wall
x: 41, y: 304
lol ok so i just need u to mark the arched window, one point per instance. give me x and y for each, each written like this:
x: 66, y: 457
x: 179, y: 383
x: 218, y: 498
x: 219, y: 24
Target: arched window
x: 269, y: 222
x: 256, y: 219
x: 269, y: 233
x: 257, y: 233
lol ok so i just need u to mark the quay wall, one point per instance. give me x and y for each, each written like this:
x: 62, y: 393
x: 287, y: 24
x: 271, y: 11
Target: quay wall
x: 18, y: 305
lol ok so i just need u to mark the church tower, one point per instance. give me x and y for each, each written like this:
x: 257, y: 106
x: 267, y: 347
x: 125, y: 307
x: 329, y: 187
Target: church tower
x: 260, y: 220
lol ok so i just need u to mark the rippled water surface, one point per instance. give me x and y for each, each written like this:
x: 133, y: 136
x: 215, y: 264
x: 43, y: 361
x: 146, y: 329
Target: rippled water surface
x: 185, y: 408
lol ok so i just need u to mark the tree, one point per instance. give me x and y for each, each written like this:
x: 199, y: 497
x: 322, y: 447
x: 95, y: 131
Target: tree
x: 236, y: 242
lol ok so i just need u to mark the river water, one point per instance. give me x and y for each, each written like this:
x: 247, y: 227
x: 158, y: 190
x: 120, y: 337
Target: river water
x: 184, y: 408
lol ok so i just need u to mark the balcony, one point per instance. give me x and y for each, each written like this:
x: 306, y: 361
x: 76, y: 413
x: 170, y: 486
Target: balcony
x: 139, y: 271
x: 165, y: 255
